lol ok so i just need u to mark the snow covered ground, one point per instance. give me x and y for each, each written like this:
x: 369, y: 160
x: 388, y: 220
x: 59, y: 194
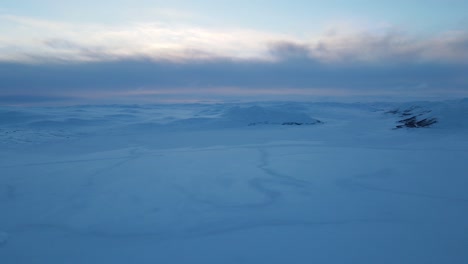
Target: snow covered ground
x: 235, y: 183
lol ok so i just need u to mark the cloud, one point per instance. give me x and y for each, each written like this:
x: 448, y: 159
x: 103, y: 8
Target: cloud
x: 285, y: 50
x: 224, y: 77
x: 31, y: 40
x: 49, y: 59
x: 386, y: 47
x: 28, y: 40
x: 61, y: 44
x: 32, y: 99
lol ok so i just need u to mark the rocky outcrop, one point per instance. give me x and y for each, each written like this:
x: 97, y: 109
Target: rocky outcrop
x: 413, y: 122
x: 413, y: 117
x: 258, y: 115
x: 316, y: 122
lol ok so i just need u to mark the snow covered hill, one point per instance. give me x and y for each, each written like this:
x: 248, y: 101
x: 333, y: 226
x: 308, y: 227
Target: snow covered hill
x: 235, y: 183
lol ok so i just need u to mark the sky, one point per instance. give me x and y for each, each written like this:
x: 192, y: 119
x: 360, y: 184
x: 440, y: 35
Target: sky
x: 141, y: 51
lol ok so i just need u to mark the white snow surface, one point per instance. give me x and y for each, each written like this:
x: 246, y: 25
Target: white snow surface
x: 198, y: 184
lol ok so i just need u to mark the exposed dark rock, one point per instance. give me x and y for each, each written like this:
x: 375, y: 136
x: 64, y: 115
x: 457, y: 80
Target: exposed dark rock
x: 414, y: 117
x: 394, y: 112
x: 426, y: 122
x: 292, y: 124
x: 258, y: 123
x: 286, y: 123
x: 413, y: 122
x: 411, y: 111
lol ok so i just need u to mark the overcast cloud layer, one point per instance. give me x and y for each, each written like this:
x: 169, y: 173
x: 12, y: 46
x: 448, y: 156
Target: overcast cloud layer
x: 43, y: 60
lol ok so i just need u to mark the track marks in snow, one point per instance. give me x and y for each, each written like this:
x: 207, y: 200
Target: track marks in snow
x: 10, y: 192
x: 64, y: 162
x: 192, y: 232
x: 263, y: 185
x: 131, y: 155
x: 237, y: 226
x: 94, y: 182
x: 270, y: 184
x: 280, y: 178
x: 347, y: 183
x: 3, y: 238
x: 357, y: 182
